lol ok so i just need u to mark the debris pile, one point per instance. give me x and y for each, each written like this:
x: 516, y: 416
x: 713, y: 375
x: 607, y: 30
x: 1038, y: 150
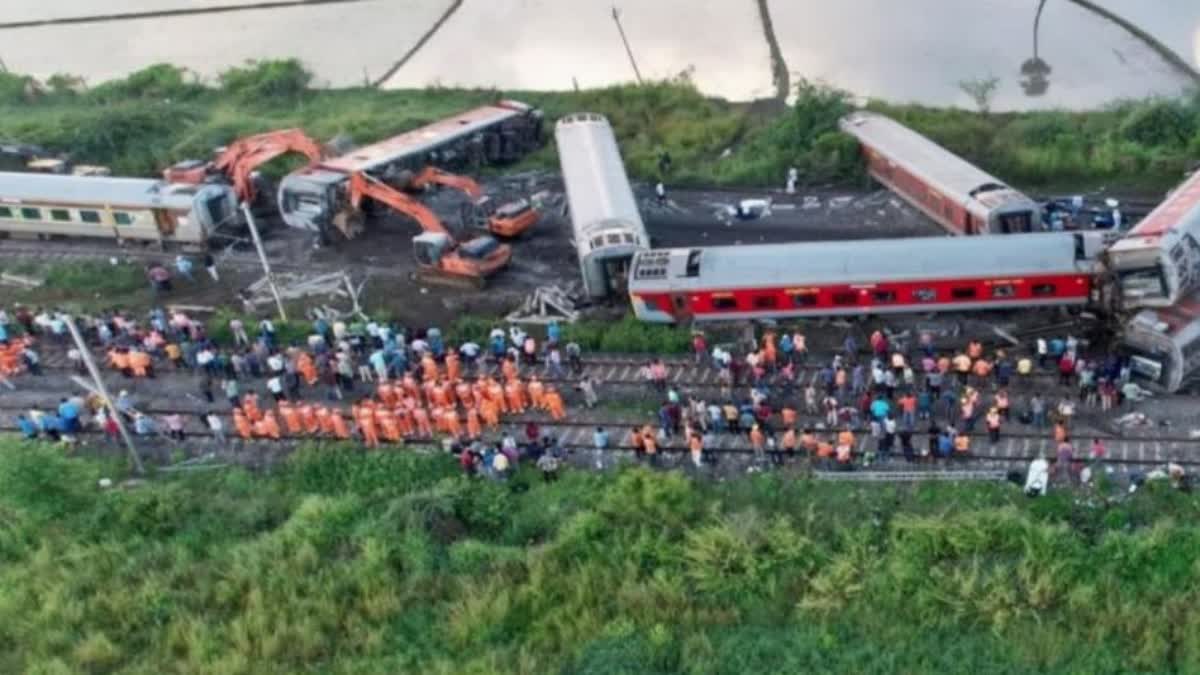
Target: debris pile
x: 548, y: 303
x: 335, y: 285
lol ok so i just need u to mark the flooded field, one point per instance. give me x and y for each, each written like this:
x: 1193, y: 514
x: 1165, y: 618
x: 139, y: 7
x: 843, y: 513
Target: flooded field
x: 917, y: 50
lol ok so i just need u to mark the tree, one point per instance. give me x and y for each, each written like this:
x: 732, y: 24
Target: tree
x: 981, y: 91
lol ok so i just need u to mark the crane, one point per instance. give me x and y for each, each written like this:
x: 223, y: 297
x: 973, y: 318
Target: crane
x: 439, y: 257
x: 508, y: 220
x: 237, y: 162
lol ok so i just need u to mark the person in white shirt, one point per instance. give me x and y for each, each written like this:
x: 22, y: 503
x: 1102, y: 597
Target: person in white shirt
x: 275, y: 386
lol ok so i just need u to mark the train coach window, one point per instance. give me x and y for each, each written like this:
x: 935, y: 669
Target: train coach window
x: 614, y: 238
x: 766, y: 302
x: 884, y: 296
x: 31, y: 214
x: 962, y: 293
x: 725, y: 302
x: 804, y: 299
x: 92, y: 217
x: 925, y: 295
x: 597, y: 242
x: 5, y: 212
x: 845, y: 298
x: 61, y: 215
x: 1043, y: 289
x: 1003, y: 291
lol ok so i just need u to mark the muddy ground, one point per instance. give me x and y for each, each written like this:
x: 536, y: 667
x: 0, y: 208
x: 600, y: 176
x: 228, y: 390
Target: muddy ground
x: 546, y: 255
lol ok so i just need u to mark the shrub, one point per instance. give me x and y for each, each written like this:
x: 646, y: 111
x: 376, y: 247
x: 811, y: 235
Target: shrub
x: 158, y: 82
x: 266, y: 81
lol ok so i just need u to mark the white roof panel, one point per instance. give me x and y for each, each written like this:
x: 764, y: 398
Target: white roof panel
x: 866, y: 261
x: 99, y: 190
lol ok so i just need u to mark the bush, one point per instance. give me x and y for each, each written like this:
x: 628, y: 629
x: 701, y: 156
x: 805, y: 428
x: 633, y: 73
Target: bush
x: 266, y: 81
x: 159, y: 82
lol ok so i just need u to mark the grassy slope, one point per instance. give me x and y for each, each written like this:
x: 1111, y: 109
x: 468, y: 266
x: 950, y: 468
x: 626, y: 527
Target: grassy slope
x: 159, y: 115
x: 349, y: 563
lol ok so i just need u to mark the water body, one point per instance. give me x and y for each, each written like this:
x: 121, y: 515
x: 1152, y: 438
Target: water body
x: 915, y: 50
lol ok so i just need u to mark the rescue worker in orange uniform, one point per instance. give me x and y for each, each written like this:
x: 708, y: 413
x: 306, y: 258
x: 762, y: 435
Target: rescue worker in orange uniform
x: 462, y: 391
x: 366, y: 426
x: 241, y: 424
x: 404, y: 421
x: 386, y: 394
x: 337, y: 424
x: 437, y: 417
x: 388, y: 428
x: 421, y: 418
x: 440, y: 397
x: 495, y: 394
x: 490, y: 412
x: 537, y: 393
x: 473, y: 429
x: 306, y: 368
x: 325, y: 415
x: 453, y: 367
x: 650, y: 442
x: 268, y: 427
x: 429, y: 369
x: 292, y: 422
x: 308, y: 417
x: 515, y: 395
x: 508, y: 368
x: 410, y: 386
x: 769, y: 351
x: 250, y: 407
x: 120, y: 361
x: 139, y: 363
x: 554, y: 404
x: 453, y: 425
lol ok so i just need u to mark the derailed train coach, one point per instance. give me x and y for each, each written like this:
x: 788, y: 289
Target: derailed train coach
x: 136, y: 209
x: 607, y: 227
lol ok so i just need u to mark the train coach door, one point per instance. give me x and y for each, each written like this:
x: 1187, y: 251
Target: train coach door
x: 680, y: 308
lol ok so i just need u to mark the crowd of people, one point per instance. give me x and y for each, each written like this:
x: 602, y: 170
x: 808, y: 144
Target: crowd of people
x: 409, y: 384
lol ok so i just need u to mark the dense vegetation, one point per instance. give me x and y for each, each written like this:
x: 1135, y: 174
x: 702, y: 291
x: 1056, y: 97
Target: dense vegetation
x: 347, y: 562
x: 162, y: 114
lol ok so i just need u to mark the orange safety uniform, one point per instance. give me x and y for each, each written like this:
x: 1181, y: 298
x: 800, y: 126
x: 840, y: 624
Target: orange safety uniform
x: 268, y: 427
x: 496, y: 395
x: 982, y: 368
x: 139, y: 363
x: 250, y: 407
x: 241, y: 424
x: 462, y: 391
x: 453, y: 426
x: 962, y: 443
x: 453, y: 367
x: 509, y: 369
x: 490, y: 412
x: 306, y: 368
x: 429, y: 369
x: 440, y: 397
x: 292, y: 423
x: 473, y: 428
x: 649, y: 441
x: 554, y: 404
x: 119, y: 360
x: 515, y: 395
x: 326, y: 416
x: 636, y: 440
x: 388, y: 427
x: 365, y: 418
x: 308, y: 414
x: 421, y: 417
x: 386, y: 394
x: 337, y: 424
x: 537, y: 393
x: 410, y: 386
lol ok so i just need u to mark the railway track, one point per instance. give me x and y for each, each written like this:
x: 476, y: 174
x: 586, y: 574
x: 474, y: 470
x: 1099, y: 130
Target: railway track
x: 71, y: 251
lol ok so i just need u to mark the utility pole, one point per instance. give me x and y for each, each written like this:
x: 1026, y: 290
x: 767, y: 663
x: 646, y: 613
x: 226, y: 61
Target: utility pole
x: 616, y: 15
x: 262, y: 255
x: 86, y: 355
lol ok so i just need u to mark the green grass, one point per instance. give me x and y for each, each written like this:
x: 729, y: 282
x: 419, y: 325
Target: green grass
x: 343, y: 561
x: 80, y: 285
x: 160, y: 115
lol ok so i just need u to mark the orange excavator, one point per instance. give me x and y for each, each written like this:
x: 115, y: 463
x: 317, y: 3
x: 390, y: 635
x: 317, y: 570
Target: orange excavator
x: 440, y: 259
x: 509, y: 220
x: 237, y: 162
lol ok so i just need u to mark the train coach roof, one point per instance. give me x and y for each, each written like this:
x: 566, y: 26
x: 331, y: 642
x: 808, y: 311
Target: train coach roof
x: 97, y: 190
x: 1179, y: 212
x: 864, y: 262
x: 424, y: 138
x: 916, y: 153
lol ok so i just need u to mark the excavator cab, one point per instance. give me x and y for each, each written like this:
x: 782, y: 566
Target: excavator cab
x: 469, y: 264
x: 429, y: 248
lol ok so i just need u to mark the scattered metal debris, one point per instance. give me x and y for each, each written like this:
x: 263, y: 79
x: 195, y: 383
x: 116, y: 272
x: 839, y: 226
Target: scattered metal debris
x: 297, y: 286
x: 548, y: 303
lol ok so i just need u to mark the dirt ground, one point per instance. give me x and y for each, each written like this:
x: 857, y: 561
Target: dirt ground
x: 546, y: 255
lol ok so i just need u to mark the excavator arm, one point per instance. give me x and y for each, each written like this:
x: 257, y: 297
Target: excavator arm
x: 241, y: 158
x: 362, y: 185
x: 431, y: 175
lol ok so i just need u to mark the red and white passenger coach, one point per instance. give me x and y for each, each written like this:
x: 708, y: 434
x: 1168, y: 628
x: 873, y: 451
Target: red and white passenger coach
x: 876, y: 276
x: 1157, y: 264
x: 959, y: 196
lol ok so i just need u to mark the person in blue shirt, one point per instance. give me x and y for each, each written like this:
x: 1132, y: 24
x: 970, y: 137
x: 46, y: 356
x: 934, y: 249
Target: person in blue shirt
x: 52, y: 426
x: 29, y: 430
x: 3, y: 334
x: 69, y: 414
x: 879, y: 408
x: 553, y: 332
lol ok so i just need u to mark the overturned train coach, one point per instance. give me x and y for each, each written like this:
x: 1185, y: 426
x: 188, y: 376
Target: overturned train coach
x: 503, y: 132
x: 606, y: 226
x: 136, y: 209
x: 879, y: 276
